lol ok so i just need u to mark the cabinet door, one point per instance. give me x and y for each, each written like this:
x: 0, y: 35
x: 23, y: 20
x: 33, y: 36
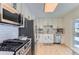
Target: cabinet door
x: 48, y: 38
x: 45, y: 38
x: 40, y: 38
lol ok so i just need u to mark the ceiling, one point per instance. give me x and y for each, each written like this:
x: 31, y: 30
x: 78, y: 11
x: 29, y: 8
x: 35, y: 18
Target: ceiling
x: 37, y: 9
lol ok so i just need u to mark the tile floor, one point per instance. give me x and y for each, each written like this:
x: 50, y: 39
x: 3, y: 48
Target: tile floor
x: 53, y: 49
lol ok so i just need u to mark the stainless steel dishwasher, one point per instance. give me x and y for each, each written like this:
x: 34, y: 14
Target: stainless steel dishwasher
x: 57, y: 38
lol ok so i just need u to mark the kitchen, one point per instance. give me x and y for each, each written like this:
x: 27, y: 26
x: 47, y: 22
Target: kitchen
x: 25, y: 28
x: 13, y: 41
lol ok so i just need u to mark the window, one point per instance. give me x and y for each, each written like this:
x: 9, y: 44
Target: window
x: 14, y: 5
x: 76, y: 34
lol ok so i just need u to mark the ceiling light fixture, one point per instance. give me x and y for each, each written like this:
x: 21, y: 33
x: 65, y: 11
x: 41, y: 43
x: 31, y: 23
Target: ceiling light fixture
x: 50, y: 7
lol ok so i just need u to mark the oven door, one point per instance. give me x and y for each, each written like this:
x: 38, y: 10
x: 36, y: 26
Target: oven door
x: 25, y: 50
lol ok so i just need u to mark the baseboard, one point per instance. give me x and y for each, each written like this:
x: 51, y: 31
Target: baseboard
x: 73, y: 49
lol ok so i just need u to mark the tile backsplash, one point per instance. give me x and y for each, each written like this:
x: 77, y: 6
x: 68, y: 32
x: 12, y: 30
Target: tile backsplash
x: 8, y: 32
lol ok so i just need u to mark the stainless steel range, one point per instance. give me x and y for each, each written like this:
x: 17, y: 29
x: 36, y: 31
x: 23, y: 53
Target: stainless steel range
x: 16, y: 46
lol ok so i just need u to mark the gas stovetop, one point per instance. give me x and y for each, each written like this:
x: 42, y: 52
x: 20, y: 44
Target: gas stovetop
x: 8, y: 48
x: 12, y: 44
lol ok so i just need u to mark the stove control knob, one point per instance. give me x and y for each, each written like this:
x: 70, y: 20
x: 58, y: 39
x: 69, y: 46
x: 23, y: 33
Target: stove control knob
x: 22, y: 52
x: 19, y: 53
x: 25, y: 47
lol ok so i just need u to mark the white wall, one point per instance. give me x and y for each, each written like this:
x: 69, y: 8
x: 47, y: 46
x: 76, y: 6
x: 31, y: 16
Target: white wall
x: 22, y: 8
x: 68, y: 20
x: 8, y: 32
x: 56, y: 22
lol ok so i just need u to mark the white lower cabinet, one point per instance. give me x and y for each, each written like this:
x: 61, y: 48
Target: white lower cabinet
x: 45, y: 38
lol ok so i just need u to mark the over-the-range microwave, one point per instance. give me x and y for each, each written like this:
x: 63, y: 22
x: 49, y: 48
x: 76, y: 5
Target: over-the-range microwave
x: 9, y: 15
